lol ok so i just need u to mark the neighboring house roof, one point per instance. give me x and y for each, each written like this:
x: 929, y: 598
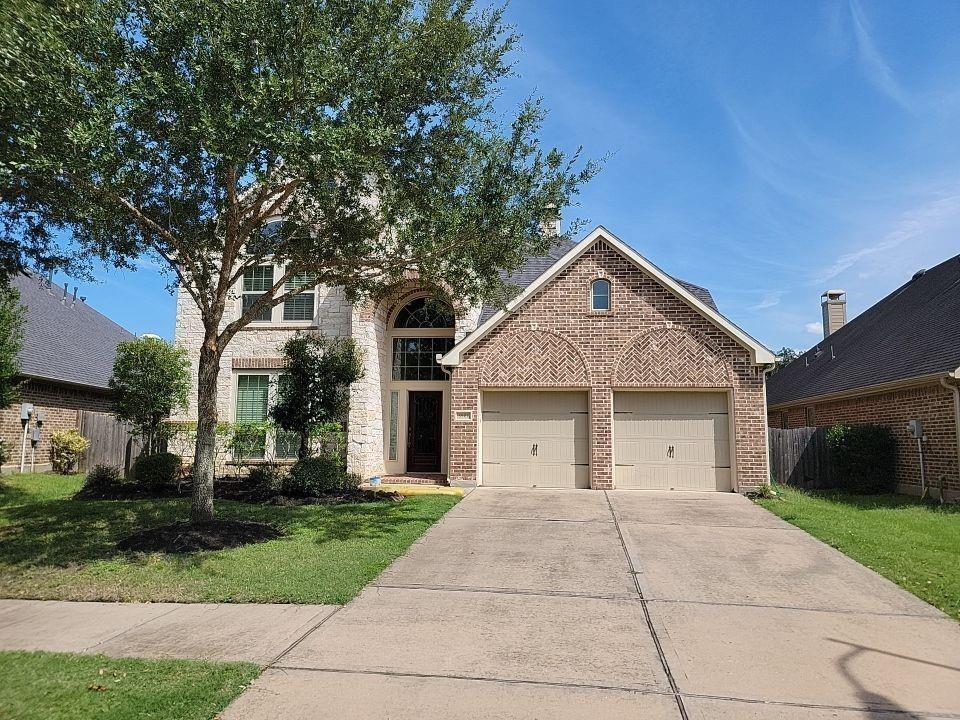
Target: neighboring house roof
x: 535, y: 265
x: 63, y: 340
x: 912, y: 333
x: 758, y: 353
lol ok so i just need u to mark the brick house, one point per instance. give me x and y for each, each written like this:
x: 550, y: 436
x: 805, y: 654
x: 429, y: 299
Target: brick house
x: 66, y: 361
x: 898, y: 361
x: 603, y: 372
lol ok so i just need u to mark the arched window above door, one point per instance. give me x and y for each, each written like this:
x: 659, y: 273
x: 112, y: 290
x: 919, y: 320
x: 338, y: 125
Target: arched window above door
x: 424, y: 313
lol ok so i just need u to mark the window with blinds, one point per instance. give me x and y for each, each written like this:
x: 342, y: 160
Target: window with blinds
x: 257, y: 281
x: 253, y: 393
x: 300, y: 307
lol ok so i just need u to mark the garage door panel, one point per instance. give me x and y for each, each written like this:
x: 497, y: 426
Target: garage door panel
x: 672, y: 440
x: 536, y: 439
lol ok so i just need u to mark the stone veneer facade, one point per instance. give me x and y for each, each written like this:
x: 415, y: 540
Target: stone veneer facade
x: 930, y: 402
x: 258, y: 347
x: 649, y: 339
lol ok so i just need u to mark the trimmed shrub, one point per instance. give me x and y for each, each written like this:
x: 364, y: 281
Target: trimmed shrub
x: 66, y: 449
x: 156, y: 471
x: 103, y: 481
x: 865, y: 457
x: 317, y: 476
x: 267, y: 477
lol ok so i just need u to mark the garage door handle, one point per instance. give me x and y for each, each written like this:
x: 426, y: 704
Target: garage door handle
x: 533, y: 450
x: 670, y: 451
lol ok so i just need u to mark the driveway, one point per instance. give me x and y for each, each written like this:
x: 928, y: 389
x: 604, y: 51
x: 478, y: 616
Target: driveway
x: 584, y: 604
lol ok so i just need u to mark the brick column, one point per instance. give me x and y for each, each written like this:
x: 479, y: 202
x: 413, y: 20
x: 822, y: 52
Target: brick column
x: 601, y: 437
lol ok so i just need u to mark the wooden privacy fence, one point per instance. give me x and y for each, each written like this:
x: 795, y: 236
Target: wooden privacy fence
x: 110, y: 442
x: 801, y: 457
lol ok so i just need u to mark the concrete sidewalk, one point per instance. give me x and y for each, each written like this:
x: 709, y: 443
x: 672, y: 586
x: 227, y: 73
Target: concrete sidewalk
x: 255, y: 633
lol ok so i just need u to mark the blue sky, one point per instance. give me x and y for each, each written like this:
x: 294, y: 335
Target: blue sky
x: 766, y: 150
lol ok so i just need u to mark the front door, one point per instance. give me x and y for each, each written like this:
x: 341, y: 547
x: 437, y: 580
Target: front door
x: 424, y: 431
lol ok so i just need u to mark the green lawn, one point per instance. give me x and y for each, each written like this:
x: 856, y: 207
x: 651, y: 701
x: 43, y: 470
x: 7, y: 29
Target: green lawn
x: 52, y: 547
x: 58, y: 686
x: 915, y: 544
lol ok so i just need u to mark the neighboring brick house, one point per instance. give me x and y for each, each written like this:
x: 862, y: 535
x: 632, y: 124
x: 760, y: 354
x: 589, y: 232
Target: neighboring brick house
x: 896, y: 362
x: 600, y: 344
x: 66, y: 361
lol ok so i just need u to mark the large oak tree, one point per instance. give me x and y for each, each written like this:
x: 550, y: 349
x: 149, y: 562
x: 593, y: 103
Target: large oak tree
x: 179, y: 128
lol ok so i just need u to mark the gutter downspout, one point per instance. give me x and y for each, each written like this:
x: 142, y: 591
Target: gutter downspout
x: 767, y: 369
x: 950, y: 381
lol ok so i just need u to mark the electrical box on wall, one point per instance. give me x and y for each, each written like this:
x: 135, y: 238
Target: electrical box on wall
x: 916, y: 428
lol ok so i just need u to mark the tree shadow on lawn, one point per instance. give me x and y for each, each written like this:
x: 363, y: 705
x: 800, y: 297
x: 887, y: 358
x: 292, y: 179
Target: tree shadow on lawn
x: 63, y: 533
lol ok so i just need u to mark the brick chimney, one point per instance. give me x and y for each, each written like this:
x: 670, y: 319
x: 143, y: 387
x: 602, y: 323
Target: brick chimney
x: 834, y: 306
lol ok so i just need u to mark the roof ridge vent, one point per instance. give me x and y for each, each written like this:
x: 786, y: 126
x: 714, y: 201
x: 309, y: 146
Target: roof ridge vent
x: 919, y: 274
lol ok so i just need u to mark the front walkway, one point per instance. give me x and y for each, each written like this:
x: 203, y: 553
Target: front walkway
x: 584, y: 604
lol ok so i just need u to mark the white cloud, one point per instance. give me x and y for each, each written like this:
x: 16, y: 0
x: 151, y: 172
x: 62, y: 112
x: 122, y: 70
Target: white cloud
x: 877, y: 69
x: 911, y: 225
x: 814, y: 328
x: 769, y: 300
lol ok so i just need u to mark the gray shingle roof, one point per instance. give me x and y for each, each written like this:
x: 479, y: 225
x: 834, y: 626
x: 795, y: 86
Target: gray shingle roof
x: 65, y: 341
x: 913, y: 332
x: 535, y: 266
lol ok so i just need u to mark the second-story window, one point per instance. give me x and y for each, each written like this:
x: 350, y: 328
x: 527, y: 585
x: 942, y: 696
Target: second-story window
x: 299, y: 307
x: 257, y: 281
x: 600, y: 295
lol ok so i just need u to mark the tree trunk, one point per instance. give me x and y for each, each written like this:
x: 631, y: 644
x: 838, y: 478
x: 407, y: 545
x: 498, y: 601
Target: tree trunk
x: 304, y: 451
x: 205, y: 452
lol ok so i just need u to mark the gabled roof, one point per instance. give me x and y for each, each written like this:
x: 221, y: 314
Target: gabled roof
x: 914, y: 332
x: 696, y: 297
x: 65, y: 341
x: 535, y: 265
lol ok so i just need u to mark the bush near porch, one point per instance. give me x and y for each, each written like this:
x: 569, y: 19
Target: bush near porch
x: 911, y: 542
x: 54, y: 547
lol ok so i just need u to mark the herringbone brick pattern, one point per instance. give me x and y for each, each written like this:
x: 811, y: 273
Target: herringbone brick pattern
x: 671, y: 357
x: 554, y: 361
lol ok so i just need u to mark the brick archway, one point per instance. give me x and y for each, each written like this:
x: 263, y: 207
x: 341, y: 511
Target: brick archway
x: 533, y: 358
x: 671, y: 357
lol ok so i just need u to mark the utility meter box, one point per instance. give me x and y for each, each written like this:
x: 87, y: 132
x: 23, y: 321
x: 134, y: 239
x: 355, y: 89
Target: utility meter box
x: 916, y: 428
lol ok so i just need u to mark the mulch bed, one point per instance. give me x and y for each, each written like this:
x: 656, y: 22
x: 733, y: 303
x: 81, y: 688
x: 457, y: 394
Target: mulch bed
x: 230, y: 488
x: 185, y: 537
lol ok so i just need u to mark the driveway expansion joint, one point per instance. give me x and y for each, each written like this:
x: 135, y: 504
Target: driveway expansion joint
x: 133, y: 627
x: 661, y: 654
x: 507, y: 591
x: 831, y: 611
x: 640, y: 688
x: 527, y: 519
x: 303, y: 637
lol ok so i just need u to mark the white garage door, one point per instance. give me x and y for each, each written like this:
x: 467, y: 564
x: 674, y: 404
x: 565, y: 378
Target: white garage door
x: 535, y: 439
x: 671, y: 441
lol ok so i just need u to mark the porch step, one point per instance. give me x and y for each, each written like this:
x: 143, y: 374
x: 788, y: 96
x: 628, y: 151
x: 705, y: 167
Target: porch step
x: 415, y: 479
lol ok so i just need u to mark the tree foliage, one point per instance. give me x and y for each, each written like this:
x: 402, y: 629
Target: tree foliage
x: 151, y: 379
x: 11, y: 341
x: 182, y: 128
x: 315, y: 387
x: 784, y: 356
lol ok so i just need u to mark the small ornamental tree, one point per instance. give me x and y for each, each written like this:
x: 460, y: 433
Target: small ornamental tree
x: 151, y: 379
x: 11, y: 340
x: 315, y: 389
x: 185, y: 129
